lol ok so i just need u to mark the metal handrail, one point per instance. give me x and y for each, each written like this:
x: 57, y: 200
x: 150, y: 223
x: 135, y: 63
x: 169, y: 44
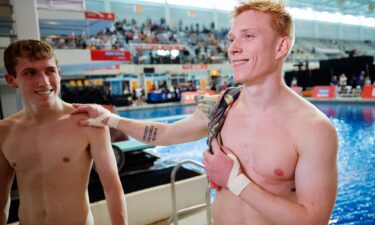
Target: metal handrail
x: 175, y: 212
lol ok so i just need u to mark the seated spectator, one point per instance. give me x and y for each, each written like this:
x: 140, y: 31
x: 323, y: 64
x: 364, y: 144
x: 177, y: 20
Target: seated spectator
x: 367, y: 81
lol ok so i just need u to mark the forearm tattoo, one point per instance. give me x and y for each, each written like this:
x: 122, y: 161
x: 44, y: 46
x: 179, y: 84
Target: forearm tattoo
x: 150, y: 133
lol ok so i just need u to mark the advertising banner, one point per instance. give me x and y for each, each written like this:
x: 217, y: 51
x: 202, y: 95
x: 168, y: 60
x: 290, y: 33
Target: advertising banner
x: 110, y: 55
x: 323, y: 92
x: 100, y: 15
x: 368, y: 91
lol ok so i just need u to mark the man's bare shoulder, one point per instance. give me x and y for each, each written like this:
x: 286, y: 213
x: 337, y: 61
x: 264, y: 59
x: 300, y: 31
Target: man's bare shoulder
x: 7, y: 123
x: 303, y: 111
x: 87, y: 130
x: 311, y: 126
x: 312, y: 116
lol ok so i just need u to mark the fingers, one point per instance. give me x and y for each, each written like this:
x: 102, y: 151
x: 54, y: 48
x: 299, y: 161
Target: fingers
x: 207, y: 156
x: 77, y: 105
x: 80, y: 109
x: 83, y: 122
x: 216, y: 149
x: 226, y: 150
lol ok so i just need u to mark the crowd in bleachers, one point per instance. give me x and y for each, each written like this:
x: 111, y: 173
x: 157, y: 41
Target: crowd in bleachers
x: 321, y: 49
x: 207, y: 45
x: 204, y: 44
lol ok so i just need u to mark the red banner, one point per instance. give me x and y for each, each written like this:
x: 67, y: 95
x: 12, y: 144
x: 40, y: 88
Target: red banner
x: 323, y: 92
x: 194, y: 66
x: 368, y: 91
x: 100, y: 16
x: 110, y: 55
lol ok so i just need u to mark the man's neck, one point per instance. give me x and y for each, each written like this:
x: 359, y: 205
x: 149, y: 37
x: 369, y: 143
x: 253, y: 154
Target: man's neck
x: 265, y: 94
x: 44, y: 113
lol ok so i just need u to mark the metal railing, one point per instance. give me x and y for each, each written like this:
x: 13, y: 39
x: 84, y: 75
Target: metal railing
x: 175, y: 212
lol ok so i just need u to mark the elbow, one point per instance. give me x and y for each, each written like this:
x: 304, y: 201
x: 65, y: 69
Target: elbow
x: 115, y: 190
x: 311, y: 216
x: 315, y: 219
x: 113, y: 187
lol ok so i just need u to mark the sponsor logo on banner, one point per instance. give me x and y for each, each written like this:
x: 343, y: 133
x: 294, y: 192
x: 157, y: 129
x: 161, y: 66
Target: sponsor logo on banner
x: 110, y: 55
x: 100, y: 16
x: 323, y: 92
x: 194, y: 66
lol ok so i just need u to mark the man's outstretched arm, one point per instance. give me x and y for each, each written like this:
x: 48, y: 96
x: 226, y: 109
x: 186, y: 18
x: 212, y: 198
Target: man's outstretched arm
x: 105, y: 162
x: 154, y: 133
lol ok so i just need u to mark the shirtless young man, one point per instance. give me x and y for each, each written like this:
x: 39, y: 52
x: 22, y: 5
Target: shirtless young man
x: 276, y: 161
x: 50, y: 154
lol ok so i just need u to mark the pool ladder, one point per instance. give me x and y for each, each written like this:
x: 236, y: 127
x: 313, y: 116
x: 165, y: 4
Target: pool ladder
x: 175, y: 212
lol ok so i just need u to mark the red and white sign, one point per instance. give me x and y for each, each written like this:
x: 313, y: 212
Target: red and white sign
x: 194, y: 66
x: 100, y: 16
x: 110, y: 55
x: 368, y: 91
x: 159, y: 47
x: 323, y: 92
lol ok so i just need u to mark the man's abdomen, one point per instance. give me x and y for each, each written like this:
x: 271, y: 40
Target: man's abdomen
x: 57, y: 213
x: 228, y: 209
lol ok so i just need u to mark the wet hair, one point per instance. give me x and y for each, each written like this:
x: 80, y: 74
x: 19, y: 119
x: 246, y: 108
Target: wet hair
x: 281, y: 20
x: 31, y: 49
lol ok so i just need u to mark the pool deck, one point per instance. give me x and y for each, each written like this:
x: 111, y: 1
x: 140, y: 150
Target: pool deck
x: 174, y: 104
x: 342, y: 100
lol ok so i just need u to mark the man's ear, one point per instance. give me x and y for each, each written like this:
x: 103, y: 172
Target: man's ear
x: 283, y: 47
x: 11, y: 81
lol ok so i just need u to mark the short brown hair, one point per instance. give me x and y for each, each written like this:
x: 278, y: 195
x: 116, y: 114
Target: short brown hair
x: 31, y: 49
x: 281, y: 21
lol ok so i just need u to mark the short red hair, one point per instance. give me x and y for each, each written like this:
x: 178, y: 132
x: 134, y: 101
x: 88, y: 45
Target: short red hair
x: 281, y: 21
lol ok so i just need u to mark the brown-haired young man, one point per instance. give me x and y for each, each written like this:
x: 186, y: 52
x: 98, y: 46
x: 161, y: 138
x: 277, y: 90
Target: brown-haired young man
x: 48, y: 152
x: 273, y: 153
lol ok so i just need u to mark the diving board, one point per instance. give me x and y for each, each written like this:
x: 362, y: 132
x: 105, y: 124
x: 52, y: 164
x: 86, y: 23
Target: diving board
x: 131, y: 145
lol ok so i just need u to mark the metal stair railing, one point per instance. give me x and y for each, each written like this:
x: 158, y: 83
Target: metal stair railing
x: 175, y: 212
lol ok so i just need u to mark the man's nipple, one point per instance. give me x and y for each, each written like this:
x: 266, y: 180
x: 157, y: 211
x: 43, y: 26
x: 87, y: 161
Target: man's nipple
x: 66, y: 159
x: 278, y: 172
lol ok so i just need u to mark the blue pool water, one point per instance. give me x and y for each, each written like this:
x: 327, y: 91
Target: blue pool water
x: 355, y: 124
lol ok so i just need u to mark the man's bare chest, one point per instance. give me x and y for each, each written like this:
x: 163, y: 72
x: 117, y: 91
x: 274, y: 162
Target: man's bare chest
x: 48, y: 146
x: 264, y: 147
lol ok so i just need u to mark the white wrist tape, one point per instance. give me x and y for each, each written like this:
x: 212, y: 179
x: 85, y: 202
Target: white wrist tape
x: 236, y: 182
x: 113, y: 120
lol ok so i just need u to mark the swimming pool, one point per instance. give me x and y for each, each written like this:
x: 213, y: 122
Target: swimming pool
x: 355, y: 124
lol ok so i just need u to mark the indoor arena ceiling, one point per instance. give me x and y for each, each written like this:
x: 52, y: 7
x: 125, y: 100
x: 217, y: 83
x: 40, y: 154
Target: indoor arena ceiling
x: 350, y: 7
